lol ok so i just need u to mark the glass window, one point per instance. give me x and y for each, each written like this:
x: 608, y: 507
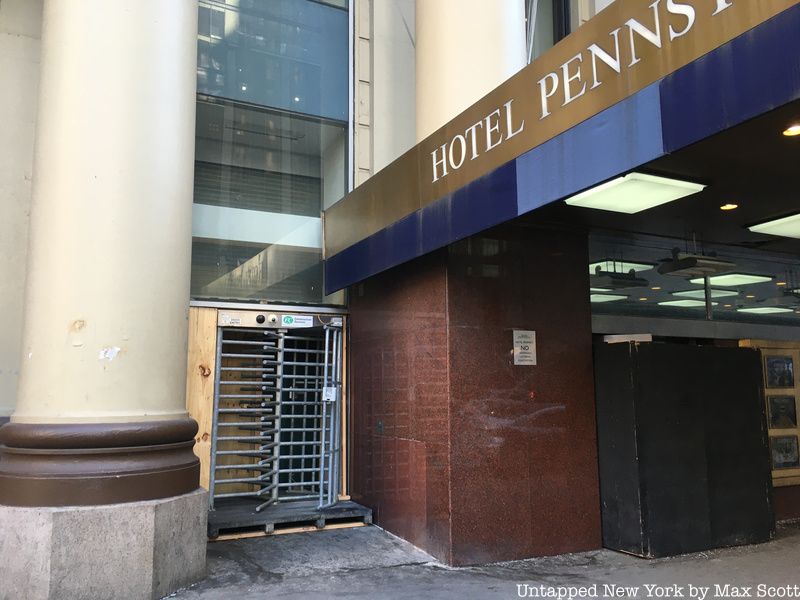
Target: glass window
x: 271, y: 146
x: 262, y: 177
x: 549, y: 21
x: 639, y: 276
x: 541, y: 27
x: 583, y: 10
x: 289, y: 54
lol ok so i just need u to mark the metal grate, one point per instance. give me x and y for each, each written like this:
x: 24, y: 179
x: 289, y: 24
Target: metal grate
x: 277, y: 402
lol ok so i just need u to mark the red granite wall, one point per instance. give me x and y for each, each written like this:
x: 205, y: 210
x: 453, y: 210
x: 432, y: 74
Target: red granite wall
x: 400, y: 402
x: 456, y: 449
x: 524, y: 474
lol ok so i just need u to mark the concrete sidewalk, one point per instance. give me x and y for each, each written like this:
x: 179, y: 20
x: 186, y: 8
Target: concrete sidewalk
x: 371, y: 564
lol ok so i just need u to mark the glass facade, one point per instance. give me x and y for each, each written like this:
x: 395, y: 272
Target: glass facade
x: 271, y: 146
x: 753, y: 286
x: 549, y: 21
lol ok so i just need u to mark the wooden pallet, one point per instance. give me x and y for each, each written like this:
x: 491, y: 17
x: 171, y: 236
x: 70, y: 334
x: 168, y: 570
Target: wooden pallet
x: 238, y: 519
x: 245, y: 535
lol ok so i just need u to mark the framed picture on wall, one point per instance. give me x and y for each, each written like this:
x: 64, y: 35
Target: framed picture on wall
x: 782, y: 412
x: 780, y: 371
x: 784, y: 452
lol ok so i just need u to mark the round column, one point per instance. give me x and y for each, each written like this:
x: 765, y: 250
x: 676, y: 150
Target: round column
x: 102, y: 383
x: 464, y: 49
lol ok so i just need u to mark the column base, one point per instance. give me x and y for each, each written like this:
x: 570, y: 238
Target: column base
x: 134, y: 550
x: 80, y: 464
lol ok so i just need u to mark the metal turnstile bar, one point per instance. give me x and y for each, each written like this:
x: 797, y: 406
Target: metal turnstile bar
x: 245, y: 467
x: 266, y: 343
x: 259, y: 479
x: 287, y: 415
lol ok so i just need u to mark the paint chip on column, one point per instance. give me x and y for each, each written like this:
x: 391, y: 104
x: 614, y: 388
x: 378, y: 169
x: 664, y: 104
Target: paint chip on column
x: 109, y: 353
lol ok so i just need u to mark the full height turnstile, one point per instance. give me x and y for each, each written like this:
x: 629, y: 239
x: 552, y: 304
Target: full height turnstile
x: 277, y: 430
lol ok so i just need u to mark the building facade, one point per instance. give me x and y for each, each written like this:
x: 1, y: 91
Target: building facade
x: 399, y: 260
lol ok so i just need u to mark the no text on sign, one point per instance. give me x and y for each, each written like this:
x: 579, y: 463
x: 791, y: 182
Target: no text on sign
x: 524, y: 347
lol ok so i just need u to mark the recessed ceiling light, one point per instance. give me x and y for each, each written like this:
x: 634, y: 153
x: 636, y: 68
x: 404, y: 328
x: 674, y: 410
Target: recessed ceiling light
x: 642, y: 299
x: 702, y: 293
x: 780, y: 283
x: 729, y: 207
x: 750, y: 296
x: 685, y: 303
x: 729, y: 306
x: 634, y: 193
x: 792, y: 130
x: 784, y: 227
x: 733, y: 279
x: 603, y: 298
x: 656, y: 288
x: 618, y: 266
x: 766, y: 310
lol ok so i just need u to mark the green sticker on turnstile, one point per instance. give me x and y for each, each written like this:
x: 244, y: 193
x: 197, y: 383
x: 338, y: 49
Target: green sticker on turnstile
x: 297, y: 320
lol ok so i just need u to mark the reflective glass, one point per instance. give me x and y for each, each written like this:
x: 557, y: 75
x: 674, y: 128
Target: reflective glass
x: 261, y: 178
x: 288, y: 54
x: 745, y: 285
x: 271, y: 146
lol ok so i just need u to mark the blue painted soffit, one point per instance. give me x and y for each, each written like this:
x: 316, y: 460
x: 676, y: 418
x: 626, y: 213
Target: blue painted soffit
x: 748, y: 76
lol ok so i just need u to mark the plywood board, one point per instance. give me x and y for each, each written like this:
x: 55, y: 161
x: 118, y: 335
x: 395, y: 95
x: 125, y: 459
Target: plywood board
x: 200, y: 373
x: 303, y: 529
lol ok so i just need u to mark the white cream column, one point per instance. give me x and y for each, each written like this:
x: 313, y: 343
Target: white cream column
x: 105, y: 328
x: 104, y: 331
x: 98, y: 454
x: 464, y: 49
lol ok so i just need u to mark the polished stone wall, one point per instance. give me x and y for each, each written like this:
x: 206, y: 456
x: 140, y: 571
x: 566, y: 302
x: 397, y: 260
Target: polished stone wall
x: 400, y: 399
x: 457, y: 449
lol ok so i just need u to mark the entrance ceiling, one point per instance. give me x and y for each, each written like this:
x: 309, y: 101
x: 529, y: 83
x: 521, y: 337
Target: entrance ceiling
x: 752, y: 165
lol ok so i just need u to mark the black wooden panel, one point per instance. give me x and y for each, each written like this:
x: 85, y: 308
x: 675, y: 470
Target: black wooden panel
x: 683, y: 448
x: 737, y: 452
x: 617, y: 452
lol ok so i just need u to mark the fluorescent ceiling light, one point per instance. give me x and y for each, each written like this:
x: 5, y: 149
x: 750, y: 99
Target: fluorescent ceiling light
x: 618, y: 266
x: 733, y: 279
x: 766, y: 310
x: 685, y: 303
x: 601, y: 290
x: 702, y: 293
x: 785, y: 227
x: 603, y: 298
x: 634, y: 193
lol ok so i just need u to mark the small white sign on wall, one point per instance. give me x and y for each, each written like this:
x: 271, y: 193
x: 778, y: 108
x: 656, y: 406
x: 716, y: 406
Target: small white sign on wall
x: 524, y: 347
